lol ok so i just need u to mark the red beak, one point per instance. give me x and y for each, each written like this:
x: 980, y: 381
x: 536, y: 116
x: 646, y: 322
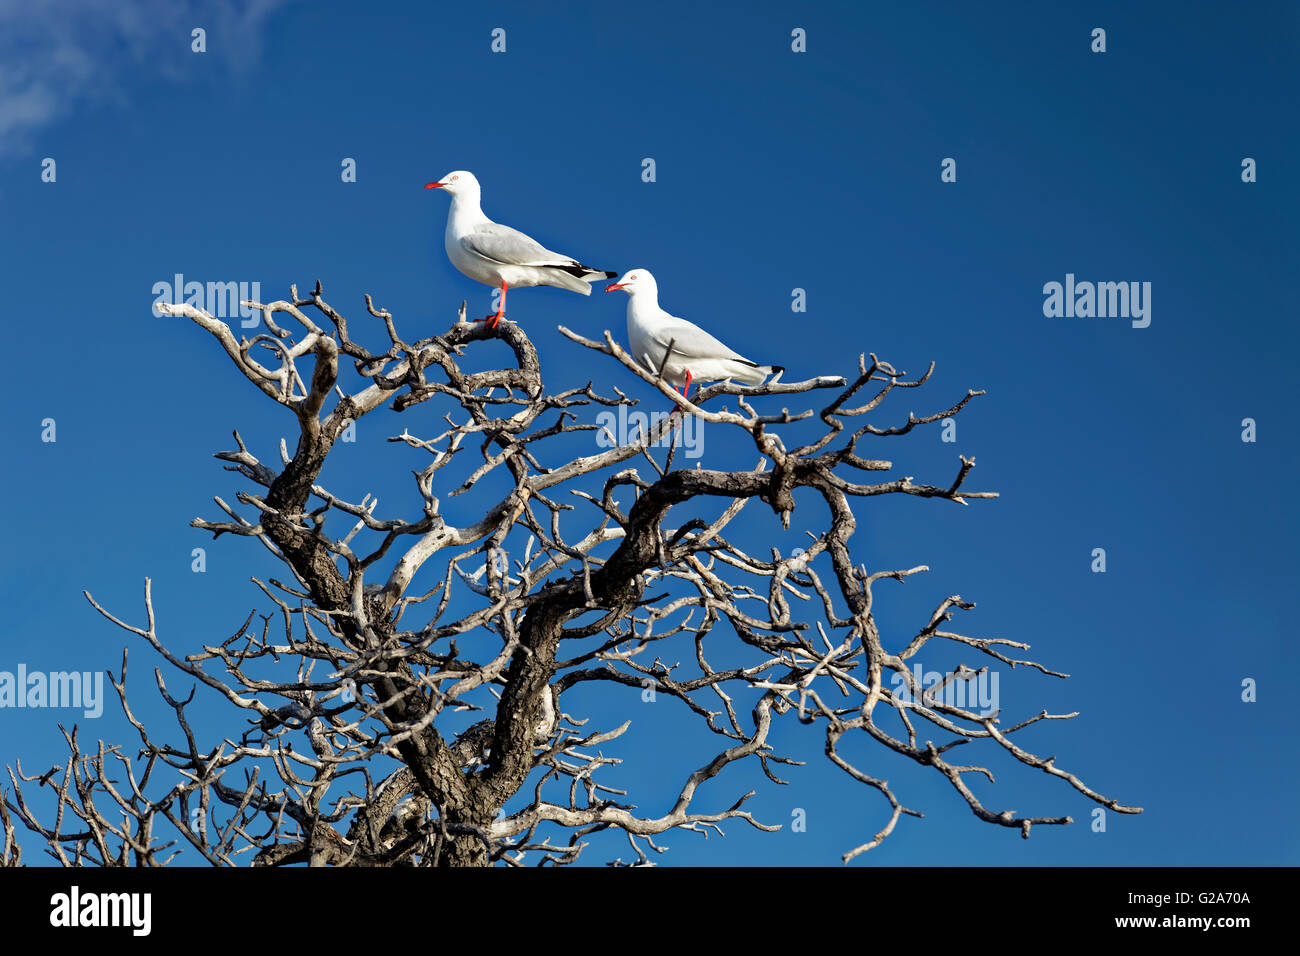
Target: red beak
x: 433, y: 185
x: 613, y: 288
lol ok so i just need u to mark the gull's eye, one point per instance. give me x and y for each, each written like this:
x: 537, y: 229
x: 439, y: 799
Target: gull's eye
x: 454, y: 178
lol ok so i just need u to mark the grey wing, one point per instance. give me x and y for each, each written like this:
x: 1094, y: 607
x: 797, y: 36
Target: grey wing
x: 691, y: 342
x: 506, y: 246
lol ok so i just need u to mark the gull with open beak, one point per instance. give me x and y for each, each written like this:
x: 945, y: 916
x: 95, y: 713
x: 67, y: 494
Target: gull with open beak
x: 497, y: 255
x: 695, y: 356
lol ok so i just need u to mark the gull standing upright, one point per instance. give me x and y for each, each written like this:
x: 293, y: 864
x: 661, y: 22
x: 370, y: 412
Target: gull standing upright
x: 497, y: 255
x: 696, y: 355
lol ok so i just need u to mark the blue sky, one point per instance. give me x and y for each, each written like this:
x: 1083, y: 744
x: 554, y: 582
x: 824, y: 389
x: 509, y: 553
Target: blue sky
x: 775, y: 170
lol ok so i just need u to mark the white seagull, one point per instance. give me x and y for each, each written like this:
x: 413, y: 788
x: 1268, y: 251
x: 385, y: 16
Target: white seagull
x: 696, y: 355
x: 494, y: 254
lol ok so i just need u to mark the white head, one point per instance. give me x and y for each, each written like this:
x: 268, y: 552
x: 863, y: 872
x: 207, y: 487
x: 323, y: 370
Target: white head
x: 458, y: 183
x: 635, y: 281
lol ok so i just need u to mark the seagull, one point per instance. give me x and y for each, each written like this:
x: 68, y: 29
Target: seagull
x: 696, y: 355
x: 494, y: 254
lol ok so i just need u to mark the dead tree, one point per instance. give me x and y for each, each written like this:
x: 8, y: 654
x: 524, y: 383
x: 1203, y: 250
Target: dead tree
x: 350, y: 687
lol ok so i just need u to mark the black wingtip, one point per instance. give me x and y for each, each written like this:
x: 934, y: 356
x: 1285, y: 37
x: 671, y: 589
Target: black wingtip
x: 611, y: 275
x: 777, y: 368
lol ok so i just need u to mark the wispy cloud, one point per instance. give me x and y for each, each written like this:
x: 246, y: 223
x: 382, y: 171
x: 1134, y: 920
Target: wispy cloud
x: 58, y: 56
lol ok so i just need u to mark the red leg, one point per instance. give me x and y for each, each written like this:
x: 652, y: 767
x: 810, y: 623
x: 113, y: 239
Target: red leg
x: 685, y: 390
x: 494, y: 320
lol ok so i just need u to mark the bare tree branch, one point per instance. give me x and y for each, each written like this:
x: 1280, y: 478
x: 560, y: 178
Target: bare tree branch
x: 352, y: 689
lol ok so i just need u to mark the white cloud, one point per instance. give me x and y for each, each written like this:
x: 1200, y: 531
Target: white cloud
x: 59, y: 56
